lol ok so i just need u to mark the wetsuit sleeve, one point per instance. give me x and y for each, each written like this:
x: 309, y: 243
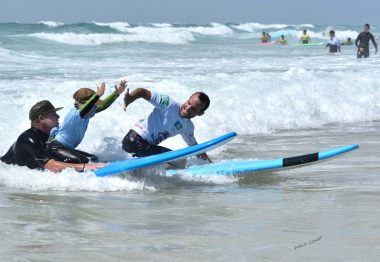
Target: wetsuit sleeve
x: 86, y: 107
x: 107, y: 102
x: 358, y: 39
x: 373, y: 40
x: 160, y: 101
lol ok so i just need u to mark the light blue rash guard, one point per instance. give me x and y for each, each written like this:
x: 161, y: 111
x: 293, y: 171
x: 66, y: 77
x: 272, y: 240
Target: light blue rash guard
x: 73, y: 128
x: 71, y: 132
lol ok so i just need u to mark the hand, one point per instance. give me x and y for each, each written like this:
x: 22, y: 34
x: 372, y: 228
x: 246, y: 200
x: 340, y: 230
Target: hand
x: 127, y: 100
x: 100, y: 90
x: 122, y: 85
x: 204, y: 156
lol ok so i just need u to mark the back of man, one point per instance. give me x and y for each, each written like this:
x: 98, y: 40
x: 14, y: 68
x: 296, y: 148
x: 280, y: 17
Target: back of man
x: 28, y: 150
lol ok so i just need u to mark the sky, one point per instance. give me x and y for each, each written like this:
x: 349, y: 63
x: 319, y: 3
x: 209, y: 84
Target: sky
x: 324, y: 12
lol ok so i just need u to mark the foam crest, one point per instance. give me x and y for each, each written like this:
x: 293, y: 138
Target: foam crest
x: 120, y: 26
x: 214, y: 29
x: 161, y: 25
x: 179, y: 37
x: 253, y: 27
x: 67, y: 180
x: 51, y: 23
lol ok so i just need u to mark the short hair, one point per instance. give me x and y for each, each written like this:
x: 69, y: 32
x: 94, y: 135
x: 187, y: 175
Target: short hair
x: 204, y: 99
x: 332, y: 32
x: 367, y: 25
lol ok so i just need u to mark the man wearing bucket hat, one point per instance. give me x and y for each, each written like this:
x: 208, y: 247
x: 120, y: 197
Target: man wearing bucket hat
x: 65, y: 138
x: 30, y: 147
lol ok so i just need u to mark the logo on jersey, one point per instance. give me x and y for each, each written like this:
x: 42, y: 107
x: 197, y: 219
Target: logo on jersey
x: 164, y: 100
x: 178, y: 125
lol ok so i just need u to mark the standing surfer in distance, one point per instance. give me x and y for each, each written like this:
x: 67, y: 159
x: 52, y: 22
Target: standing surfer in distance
x: 362, y: 42
x: 282, y: 40
x: 334, y: 43
x: 265, y: 38
x: 305, y: 38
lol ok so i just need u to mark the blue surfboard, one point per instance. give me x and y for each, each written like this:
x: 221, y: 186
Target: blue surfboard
x: 136, y: 163
x: 241, y: 167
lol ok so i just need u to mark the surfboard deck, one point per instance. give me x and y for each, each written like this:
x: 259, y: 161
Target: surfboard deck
x: 243, y: 167
x: 310, y: 44
x: 267, y: 43
x: 118, y: 167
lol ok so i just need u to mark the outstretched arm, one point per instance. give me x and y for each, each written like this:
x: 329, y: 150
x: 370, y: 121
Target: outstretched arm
x: 57, y: 166
x: 112, y: 97
x: 86, y: 107
x: 140, y: 92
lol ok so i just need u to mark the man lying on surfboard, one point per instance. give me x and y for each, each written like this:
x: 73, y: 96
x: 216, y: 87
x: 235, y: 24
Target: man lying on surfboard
x: 169, y: 118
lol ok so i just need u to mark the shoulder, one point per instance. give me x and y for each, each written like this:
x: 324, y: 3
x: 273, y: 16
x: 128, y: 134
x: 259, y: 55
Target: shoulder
x: 162, y: 99
x: 28, y: 137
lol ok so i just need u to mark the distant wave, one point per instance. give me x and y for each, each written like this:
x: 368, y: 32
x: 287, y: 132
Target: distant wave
x: 180, y: 37
x: 51, y: 23
x: 120, y: 26
x: 254, y: 27
x: 161, y: 25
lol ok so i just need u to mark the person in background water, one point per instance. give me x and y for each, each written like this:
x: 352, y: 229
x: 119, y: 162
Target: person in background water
x: 334, y: 43
x: 30, y: 147
x: 65, y: 138
x: 265, y: 38
x: 362, y: 42
x: 168, y: 119
x: 305, y: 38
x: 282, y: 40
x: 348, y: 41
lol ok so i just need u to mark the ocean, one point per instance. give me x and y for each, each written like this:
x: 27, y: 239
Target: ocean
x: 281, y: 100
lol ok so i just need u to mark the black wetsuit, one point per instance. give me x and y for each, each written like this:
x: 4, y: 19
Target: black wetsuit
x: 362, y: 41
x: 133, y: 143
x: 28, y: 150
x: 61, y: 153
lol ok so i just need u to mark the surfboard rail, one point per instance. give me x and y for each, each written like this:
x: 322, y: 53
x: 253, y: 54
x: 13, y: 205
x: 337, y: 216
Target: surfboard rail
x: 238, y: 167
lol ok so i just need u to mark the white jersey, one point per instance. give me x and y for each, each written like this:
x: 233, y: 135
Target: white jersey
x: 334, y: 41
x: 165, y: 121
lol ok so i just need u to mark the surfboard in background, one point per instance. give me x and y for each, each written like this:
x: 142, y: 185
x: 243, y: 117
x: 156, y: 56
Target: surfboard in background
x: 249, y: 167
x: 310, y: 44
x: 132, y: 164
x: 267, y: 43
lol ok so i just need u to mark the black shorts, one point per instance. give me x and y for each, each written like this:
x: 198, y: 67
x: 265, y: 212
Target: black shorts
x: 59, y: 152
x: 133, y: 143
x: 363, y: 54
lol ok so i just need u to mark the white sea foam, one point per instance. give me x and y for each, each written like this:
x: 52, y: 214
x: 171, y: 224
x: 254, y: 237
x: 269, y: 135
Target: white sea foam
x: 51, y: 23
x: 178, y: 37
x: 120, y: 26
x: 68, y: 180
x: 214, y: 29
x: 253, y: 27
x: 161, y: 25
